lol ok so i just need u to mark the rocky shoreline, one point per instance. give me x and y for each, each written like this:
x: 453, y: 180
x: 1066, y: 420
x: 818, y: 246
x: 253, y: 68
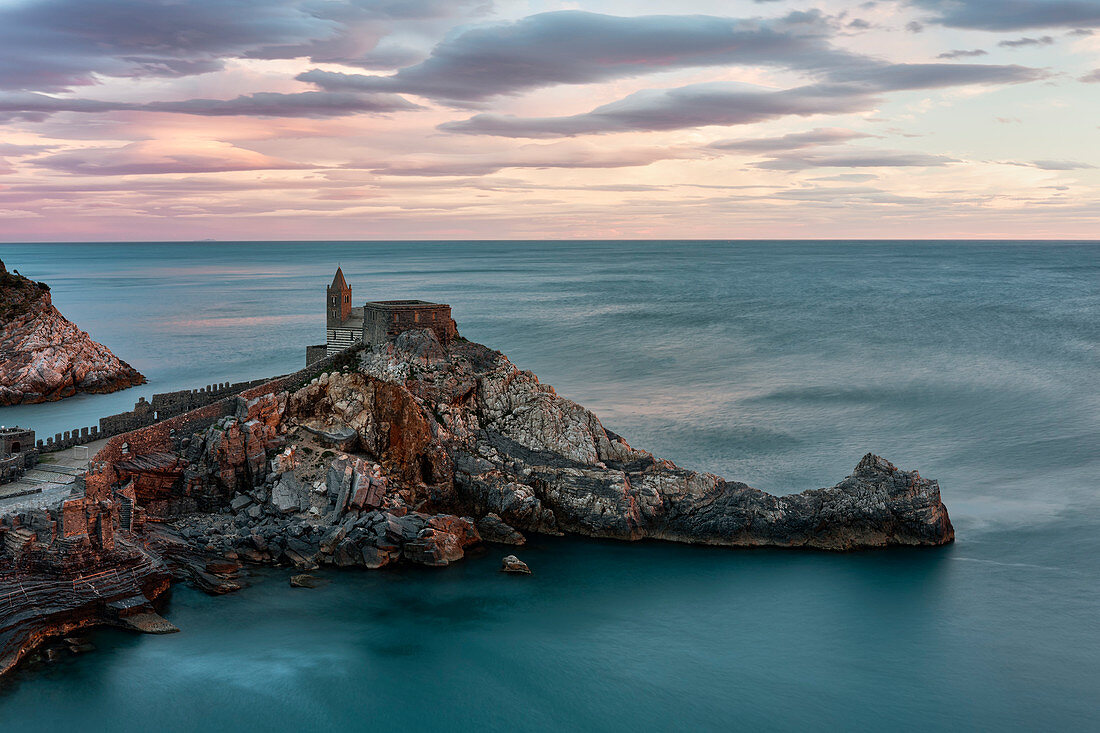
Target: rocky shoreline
x: 410, y: 451
x: 43, y: 356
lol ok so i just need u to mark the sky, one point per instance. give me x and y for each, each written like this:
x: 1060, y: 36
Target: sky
x: 160, y: 120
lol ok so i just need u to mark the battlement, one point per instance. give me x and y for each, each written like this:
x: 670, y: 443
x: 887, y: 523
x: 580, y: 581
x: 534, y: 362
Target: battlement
x: 163, y: 406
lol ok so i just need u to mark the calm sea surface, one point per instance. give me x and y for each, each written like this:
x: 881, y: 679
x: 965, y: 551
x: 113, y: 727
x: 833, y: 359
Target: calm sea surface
x: 779, y: 364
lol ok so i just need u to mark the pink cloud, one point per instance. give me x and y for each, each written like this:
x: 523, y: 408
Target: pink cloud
x: 154, y: 157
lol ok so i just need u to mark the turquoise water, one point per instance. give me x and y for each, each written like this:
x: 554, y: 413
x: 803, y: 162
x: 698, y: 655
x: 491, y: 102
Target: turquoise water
x: 775, y: 363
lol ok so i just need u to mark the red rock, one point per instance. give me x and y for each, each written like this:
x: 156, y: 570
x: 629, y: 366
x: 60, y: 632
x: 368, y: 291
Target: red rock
x: 460, y: 527
x: 43, y: 356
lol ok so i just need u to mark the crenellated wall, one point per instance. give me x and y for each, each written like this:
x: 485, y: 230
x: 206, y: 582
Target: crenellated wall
x: 164, y: 405
x: 161, y: 435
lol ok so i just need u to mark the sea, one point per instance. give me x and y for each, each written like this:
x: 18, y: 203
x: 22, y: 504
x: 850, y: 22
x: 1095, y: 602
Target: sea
x: 777, y: 363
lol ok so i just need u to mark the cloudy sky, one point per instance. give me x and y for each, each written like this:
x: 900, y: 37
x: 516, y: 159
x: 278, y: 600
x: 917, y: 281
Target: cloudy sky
x: 460, y: 119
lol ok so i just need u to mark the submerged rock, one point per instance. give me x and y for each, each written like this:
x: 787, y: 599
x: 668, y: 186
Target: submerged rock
x: 304, y: 580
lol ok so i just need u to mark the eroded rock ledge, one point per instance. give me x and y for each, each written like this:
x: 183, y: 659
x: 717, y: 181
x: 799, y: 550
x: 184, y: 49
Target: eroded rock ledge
x: 43, y: 356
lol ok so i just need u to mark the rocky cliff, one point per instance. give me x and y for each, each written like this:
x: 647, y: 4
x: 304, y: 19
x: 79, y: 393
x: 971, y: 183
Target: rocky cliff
x: 62, y: 568
x: 43, y: 356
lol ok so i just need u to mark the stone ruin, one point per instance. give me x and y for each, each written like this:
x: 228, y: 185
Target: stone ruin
x: 17, y: 452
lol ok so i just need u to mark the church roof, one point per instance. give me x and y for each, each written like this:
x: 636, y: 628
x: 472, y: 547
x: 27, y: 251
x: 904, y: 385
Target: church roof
x: 339, y: 281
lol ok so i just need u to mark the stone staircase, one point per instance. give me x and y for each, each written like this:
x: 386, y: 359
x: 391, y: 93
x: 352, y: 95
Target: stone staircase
x: 125, y: 512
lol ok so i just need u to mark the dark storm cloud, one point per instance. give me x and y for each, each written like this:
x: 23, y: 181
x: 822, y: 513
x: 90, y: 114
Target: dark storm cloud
x: 37, y: 107
x: 1020, y: 42
x: 959, y: 54
x: 897, y: 77
x: 793, y: 141
x: 729, y: 103
x: 853, y: 159
x: 575, y: 47
x: 301, y: 104
x: 1060, y: 165
x: 50, y: 45
x: 1009, y: 15
x: 696, y: 105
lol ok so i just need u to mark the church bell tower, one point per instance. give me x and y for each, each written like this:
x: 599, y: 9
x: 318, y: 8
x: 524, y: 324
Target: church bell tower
x: 338, y: 305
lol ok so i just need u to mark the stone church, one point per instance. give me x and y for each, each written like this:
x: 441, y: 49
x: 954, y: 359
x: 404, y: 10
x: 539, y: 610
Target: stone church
x: 375, y: 321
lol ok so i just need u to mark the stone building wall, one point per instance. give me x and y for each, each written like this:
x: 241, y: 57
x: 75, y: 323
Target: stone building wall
x: 15, y: 440
x: 387, y: 318
x: 11, y: 468
x: 316, y: 353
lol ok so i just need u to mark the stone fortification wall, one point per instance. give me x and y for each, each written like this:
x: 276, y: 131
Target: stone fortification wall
x: 160, y: 435
x: 177, y: 403
x: 164, y: 405
x: 315, y: 353
x: 11, y: 468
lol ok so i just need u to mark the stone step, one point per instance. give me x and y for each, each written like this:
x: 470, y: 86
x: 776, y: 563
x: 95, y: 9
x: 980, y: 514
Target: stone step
x: 48, y: 476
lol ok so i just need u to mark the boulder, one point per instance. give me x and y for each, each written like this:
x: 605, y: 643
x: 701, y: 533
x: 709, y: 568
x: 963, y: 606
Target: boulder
x: 403, y: 529
x: 347, y: 554
x: 494, y: 529
x: 333, y: 538
x: 286, y: 495
x: 433, y: 547
x: 374, y: 557
x: 239, y: 502
x: 461, y: 527
x: 222, y: 567
x: 512, y: 564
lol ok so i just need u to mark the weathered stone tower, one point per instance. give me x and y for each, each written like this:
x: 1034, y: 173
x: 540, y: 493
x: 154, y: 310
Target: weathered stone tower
x: 339, y: 300
x: 15, y: 440
x: 344, y: 323
x: 17, y: 453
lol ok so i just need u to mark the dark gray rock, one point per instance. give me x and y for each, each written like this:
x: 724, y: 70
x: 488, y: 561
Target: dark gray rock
x: 493, y: 529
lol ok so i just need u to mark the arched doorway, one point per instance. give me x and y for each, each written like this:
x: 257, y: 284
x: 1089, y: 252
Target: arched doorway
x: 15, y: 447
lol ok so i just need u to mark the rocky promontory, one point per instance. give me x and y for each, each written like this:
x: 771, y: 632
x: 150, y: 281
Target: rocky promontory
x: 413, y: 451
x: 45, y: 357
x: 405, y: 451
